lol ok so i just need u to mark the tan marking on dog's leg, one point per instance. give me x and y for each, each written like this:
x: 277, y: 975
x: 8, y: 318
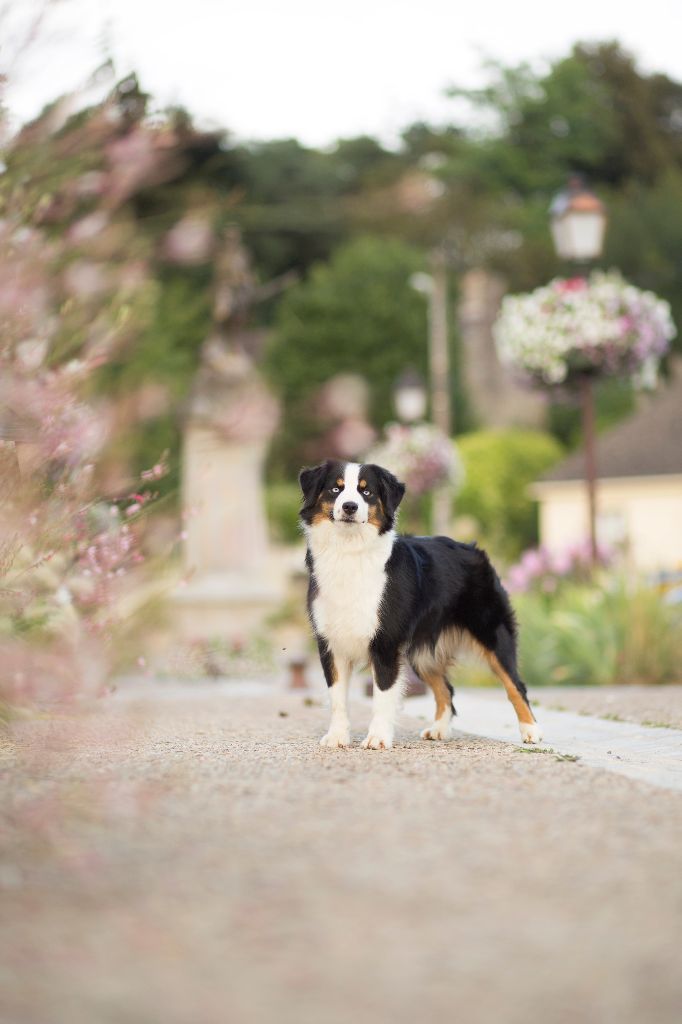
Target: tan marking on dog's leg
x: 440, y: 730
x: 530, y: 731
x: 441, y: 693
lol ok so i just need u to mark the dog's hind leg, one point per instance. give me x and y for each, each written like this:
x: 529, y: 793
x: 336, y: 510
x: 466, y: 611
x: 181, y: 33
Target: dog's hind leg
x: 443, y: 692
x: 502, y: 659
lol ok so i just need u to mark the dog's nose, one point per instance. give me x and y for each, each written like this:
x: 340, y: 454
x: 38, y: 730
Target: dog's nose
x: 349, y: 507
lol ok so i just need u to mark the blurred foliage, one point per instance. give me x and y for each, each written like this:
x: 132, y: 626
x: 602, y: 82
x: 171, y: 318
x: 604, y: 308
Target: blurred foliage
x: 282, y: 504
x: 609, y: 633
x: 75, y: 292
x: 218, y: 658
x: 644, y: 238
x: 165, y: 358
x: 592, y: 111
x: 356, y: 314
x: 614, y: 399
x: 499, y: 466
x: 355, y: 220
x: 115, y: 185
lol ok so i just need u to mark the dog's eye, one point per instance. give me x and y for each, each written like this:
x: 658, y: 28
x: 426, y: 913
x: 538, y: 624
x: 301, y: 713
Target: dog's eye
x: 367, y: 493
x: 335, y: 490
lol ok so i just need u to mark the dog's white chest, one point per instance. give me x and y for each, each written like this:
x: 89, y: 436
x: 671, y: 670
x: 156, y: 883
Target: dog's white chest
x: 350, y: 573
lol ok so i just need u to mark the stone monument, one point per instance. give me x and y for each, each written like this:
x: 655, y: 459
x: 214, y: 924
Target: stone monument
x: 230, y: 583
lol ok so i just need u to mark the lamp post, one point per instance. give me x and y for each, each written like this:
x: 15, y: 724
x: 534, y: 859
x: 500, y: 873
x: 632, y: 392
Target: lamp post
x: 578, y: 224
x: 434, y: 286
x: 409, y: 397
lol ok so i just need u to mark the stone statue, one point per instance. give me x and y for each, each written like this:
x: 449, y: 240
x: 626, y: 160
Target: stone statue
x: 231, y: 417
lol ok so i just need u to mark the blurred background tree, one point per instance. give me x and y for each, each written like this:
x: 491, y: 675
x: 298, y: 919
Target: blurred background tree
x: 355, y: 314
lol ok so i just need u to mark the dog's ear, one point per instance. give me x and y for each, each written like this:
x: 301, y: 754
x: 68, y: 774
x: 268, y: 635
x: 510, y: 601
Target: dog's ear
x: 391, y: 491
x: 312, y: 482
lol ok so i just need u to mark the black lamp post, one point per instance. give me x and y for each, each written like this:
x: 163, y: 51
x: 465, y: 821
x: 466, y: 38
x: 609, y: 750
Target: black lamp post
x: 434, y: 287
x: 578, y: 223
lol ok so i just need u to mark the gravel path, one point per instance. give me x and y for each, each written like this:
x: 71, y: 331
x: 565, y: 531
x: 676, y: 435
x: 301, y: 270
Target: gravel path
x: 193, y: 856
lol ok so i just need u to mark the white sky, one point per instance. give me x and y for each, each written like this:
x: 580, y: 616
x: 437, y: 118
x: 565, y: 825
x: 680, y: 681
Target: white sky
x: 311, y: 68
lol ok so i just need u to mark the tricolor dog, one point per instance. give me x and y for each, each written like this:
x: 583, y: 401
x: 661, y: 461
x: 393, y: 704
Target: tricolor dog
x: 379, y: 599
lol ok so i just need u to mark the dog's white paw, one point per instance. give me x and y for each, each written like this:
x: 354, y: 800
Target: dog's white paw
x: 336, y: 738
x: 440, y: 730
x: 379, y: 737
x: 372, y: 742
x: 530, y: 732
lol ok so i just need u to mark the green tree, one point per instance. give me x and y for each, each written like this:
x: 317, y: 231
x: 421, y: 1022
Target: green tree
x: 593, y: 111
x: 356, y: 314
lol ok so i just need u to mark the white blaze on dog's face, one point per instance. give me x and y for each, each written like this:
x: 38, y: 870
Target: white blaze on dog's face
x: 350, y: 505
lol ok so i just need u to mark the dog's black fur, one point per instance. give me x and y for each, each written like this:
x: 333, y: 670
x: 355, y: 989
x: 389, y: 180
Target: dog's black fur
x: 434, y: 584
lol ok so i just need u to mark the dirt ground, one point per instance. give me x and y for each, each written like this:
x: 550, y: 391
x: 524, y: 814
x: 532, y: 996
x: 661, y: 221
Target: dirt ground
x: 192, y: 856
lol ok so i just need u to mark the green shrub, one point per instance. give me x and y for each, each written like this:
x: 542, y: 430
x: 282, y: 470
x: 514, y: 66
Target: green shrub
x: 621, y: 633
x: 355, y: 314
x: 282, y: 502
x: 499, y: 466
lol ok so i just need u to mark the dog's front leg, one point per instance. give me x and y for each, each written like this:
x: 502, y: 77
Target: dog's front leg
x: 389, y: 684
x: 337, y: 673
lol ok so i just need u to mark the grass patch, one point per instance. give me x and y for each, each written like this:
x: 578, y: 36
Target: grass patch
x: 614, y: 631
x: 548, y: 750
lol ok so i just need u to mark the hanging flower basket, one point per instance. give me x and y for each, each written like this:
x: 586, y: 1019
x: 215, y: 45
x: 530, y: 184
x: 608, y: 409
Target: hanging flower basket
x: 599, y: 326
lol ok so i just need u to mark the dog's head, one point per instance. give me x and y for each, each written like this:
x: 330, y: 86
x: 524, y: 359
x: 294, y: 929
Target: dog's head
x: 347, y: 493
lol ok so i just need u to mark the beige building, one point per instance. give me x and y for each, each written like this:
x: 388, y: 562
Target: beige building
x: 639, y: 491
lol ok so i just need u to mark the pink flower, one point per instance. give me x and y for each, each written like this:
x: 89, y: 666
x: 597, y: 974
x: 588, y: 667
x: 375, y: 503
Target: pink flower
x: 190, y: 241
x: 572, y: 284
x: 87, y: 228
x: 85, y: 280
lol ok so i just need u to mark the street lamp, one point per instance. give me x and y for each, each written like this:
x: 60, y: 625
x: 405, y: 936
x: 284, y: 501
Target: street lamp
x: 578, y: 223
x: 434, y: 287
x: 409, y: 397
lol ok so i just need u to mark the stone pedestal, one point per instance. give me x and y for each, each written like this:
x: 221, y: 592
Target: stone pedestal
x: 223, y: 501
x: 231, y: 582
x: 229, y: 586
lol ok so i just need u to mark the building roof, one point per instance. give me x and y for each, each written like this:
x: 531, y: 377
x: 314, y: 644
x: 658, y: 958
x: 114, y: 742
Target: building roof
x: 648, y: 443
